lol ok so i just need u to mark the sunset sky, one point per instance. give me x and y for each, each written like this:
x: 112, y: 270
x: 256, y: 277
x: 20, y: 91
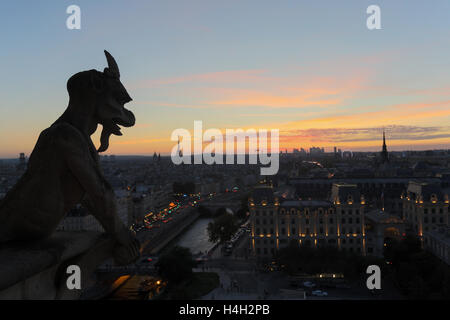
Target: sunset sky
x: 311, y: 69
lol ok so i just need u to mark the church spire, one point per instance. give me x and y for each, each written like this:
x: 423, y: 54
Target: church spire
x: 384, y: 152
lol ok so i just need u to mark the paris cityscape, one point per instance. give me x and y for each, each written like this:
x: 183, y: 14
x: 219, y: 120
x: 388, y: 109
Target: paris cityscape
x: 338, y: 210
x: 223, y: 156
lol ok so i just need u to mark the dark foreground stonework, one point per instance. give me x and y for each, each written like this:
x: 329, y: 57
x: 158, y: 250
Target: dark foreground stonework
x: 38, y: 271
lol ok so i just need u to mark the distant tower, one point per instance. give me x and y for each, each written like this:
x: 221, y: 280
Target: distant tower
x: 180, y: 152
x: 22, y: 162
x: 384, y: 152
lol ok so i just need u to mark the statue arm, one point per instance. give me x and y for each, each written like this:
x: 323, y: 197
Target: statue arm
x: 99, y: 198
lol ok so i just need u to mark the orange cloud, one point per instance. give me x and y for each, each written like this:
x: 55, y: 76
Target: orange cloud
x: 390, y: 115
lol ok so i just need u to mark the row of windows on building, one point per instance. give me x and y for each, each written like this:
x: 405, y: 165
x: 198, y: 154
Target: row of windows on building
x: 331, y: 231
x: 432, y: 220
x: 307, y: 221
x: 428, y: 210
x: 363, y: 185
x: 307, y: 211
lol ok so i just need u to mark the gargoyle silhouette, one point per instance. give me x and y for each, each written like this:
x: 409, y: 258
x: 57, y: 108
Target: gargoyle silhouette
x: 64, y: 169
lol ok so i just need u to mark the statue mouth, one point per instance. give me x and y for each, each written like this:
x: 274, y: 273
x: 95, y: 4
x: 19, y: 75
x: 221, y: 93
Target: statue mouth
x: 113, y: 127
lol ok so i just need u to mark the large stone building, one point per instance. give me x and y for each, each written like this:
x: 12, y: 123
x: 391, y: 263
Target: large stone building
x: 425, y: 206
x: 337, y: 222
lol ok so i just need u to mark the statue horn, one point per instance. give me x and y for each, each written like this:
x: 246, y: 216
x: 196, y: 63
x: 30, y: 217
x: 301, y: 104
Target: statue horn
x: 112, y: 69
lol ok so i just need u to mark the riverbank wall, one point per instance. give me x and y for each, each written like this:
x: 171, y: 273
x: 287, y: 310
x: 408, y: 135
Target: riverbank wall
x: 164, y: 239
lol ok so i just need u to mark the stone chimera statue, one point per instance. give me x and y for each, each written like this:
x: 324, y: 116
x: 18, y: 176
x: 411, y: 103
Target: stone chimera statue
x: 64, y: 170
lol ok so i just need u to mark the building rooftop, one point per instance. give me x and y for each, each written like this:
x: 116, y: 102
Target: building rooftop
x: 380, y: 216
x: 263, y: 193
x: 425, y: 191
x: 344, y: 192
x: 305, y: 204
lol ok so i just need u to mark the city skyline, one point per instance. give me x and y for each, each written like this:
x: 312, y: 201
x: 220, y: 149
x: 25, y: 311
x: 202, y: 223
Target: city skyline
x: 319, y: 76
x: 294, y: 150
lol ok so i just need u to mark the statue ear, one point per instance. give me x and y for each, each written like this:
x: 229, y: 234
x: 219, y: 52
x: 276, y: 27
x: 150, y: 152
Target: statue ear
x: 97, y: 81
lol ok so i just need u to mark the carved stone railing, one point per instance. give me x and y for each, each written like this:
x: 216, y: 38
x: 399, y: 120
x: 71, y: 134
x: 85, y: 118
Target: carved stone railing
x: 39, y: 270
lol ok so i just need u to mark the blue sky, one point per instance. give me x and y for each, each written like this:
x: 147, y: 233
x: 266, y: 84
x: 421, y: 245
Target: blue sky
x: 310, y: 68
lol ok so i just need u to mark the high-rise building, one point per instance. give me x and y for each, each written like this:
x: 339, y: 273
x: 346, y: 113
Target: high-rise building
x: 316, y: 151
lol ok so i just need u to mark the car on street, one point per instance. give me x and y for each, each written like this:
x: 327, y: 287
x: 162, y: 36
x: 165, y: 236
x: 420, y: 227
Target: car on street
x: 319, y: 293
